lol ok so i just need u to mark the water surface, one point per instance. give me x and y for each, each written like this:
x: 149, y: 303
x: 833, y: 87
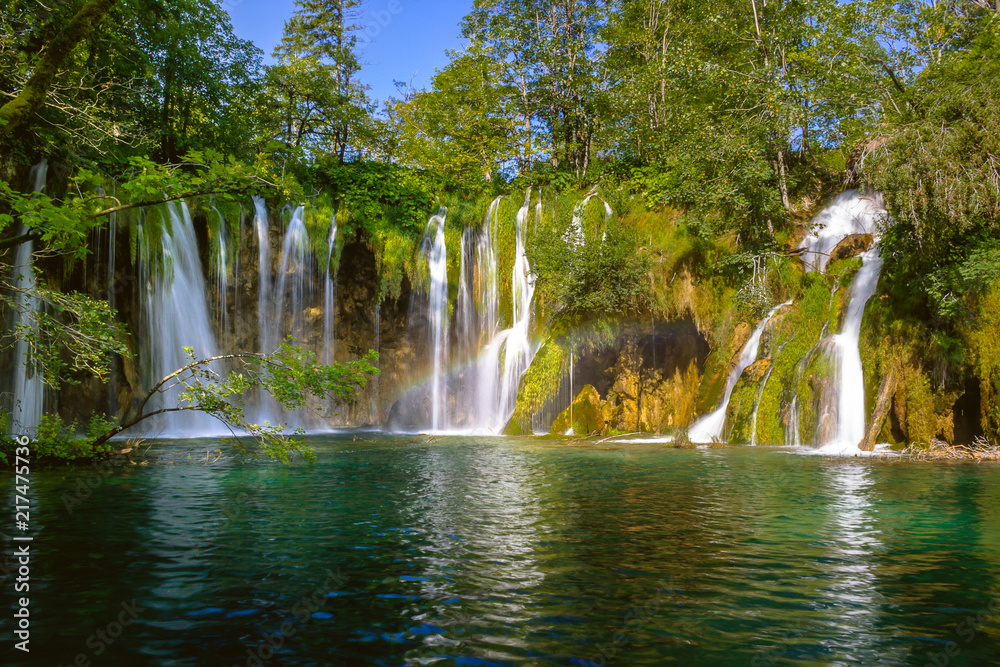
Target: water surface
x: 410, y: 550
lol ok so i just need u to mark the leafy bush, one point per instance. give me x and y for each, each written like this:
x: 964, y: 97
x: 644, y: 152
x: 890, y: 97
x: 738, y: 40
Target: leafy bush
x: 609, y: 276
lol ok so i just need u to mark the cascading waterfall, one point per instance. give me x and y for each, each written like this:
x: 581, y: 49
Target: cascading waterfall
x: 497, y: 382
x: 176, y: 314
x: 465, y: 309
x: 294, y: 285
x: 376, y: 386
x: 851, y: 212
x: 792, y: 435
x: 709, y: 428
x: 329, y: 295
x: 282, y: 310
x: 569, y: 431
x: 437, y: 314
x: 222, y: 279
x: 29, y: 392
x: 850, y: 376
x: 263, y: 270
x: 756, y: 406
x: 575, y: 235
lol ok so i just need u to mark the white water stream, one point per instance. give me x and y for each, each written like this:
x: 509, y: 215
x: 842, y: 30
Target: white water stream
x: 709, y: 428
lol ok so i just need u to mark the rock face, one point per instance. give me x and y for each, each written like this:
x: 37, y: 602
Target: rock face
x: 585, y: 416
x: 851, y: 246
x: 649, y: 378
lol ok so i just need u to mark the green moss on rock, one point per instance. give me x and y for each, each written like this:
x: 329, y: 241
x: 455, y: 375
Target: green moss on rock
x: 587, y: 413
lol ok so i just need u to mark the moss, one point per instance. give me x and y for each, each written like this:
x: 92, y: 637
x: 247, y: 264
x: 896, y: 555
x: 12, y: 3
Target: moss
x: 538, y: 384
x: 731, y: 336
x: 983, y: 342
x: 585, y: 416
x: 792, y: 334
x: 743, y: 401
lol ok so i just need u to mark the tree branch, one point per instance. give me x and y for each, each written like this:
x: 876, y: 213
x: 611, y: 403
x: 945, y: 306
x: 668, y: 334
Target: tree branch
x: 31, y: 98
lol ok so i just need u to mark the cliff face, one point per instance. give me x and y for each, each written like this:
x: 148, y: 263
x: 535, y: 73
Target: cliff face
x: 358, y: 323
x: 656, y: 375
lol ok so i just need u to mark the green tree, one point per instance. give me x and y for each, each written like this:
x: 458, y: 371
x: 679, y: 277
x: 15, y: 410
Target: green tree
x: 319, y: 103
x: 289, y: 374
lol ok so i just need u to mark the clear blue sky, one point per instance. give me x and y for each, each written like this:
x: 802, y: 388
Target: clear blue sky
x: 400, y: 39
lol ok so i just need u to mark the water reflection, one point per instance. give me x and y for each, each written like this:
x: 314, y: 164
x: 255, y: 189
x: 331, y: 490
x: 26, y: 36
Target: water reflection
x: 496, y: 551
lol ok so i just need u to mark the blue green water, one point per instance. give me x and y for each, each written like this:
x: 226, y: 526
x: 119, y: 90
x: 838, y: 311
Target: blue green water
x: 408, y: 550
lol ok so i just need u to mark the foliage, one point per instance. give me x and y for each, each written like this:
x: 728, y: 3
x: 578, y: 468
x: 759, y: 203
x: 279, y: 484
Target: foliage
x: 605, y: 276
x: 61, y: 441
x: 71, y: 336
x: 936, y: 166
x: 290, y: 375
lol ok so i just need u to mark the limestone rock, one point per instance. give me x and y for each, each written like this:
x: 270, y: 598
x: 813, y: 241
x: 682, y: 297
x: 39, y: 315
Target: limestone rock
x: 851, y: 246
x: 588, y: 414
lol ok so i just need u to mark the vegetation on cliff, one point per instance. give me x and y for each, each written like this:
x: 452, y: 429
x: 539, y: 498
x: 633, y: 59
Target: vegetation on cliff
x: 712, y: 131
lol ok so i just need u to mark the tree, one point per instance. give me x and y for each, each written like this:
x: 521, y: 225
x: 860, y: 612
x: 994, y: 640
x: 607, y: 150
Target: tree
x: 289, y: 374
x: 318, y: 101
x: 936, y: 164
x: 464, y: 127
x: 32, y: 96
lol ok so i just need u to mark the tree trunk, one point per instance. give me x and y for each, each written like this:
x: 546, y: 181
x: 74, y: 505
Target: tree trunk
x: 782, y: 181
x: 885, y: 392
x: 31, y: 98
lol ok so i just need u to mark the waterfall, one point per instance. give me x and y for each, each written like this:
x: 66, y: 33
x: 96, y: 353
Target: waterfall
x: 329, y: 295
x: 437, y: 314
x: 498, y: 381
x: 709, y: 427
x: 29, y: 392
x: 792, y: 436
x: 569, y: 431
x: 176, y: 314
x: 575, y: 235
x: 756, y: 405
x: 222, y: 279
x: 263, y: 271
x: 850, y: 212
x: 294, y: 284
x: 850, y: 377
x: 465, y: 309
x: 376, y: 386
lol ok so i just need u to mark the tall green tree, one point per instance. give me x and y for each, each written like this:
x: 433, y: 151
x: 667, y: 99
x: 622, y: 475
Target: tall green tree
x: 319, y: 102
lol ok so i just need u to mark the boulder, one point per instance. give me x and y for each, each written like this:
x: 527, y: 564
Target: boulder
x: 587, y: 414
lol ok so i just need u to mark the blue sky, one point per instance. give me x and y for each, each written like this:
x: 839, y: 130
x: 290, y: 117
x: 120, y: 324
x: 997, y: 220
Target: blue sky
x: 401, y: 39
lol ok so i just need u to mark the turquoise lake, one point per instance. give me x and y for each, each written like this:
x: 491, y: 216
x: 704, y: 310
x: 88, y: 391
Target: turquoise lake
x: 417, y: 550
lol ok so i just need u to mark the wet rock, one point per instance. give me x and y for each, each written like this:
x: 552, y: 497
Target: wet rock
x: 851, y: 246
x: 587, y: 411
